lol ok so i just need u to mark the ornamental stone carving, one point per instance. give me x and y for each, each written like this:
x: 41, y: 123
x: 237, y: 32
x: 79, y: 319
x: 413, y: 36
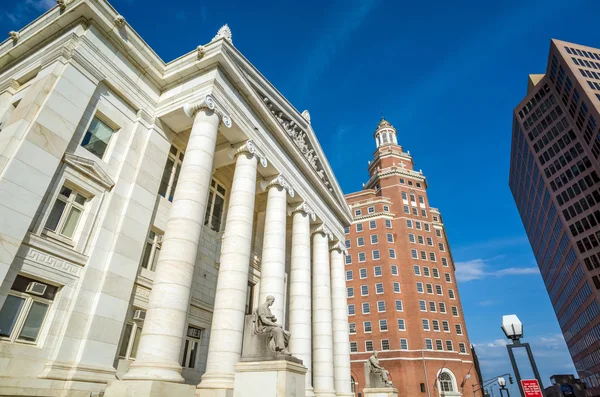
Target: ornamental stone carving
x: 223, y: 33
x: 249, y: 147
x: 14, y: 36
x: 322, y: 228
x: 62, y: 4
x: 119, y: 21
x: 279, y: 180
x: 299, y: 136
x: 201, y: 51
x: 302, y: 207
x: 52, y: 261
x: 190, y: 109
x: 340, y: 247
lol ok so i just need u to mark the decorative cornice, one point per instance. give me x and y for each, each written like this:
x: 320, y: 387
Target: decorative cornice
x: 324, y: 230
x: 302, y: 207
x: 190, y: 109
x: 14, y: 36
x: 78, y: 59
x: 223, y: 33
x: 300, y: 138
x: 46, y: 259
x: 249, y: 147
x: 90, y: 168
x: 279, y: 180
x: 339, y: 247
x: 119, y: 21
x: 9, y: 85
x: 144, y: 115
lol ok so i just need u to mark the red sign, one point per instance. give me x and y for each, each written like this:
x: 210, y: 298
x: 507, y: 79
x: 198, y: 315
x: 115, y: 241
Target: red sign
x: 531, y: 388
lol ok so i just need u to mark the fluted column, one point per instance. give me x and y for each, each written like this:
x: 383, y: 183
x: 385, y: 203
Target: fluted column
x: 225, y: 346
x: 341, y: 338
x: 166, y: 318
x: 272, y: 273
x: 322, y: 331
x: 300, y: 290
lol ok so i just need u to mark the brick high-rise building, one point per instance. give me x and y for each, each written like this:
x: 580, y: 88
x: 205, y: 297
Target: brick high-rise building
x: 555, y: 180
x: 403, y: 298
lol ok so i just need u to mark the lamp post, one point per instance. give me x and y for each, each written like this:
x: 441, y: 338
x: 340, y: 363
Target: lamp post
x: 513, y: 329
x: 502, y: 384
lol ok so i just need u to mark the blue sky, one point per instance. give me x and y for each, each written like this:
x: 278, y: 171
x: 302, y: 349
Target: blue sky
x: 446, y: 74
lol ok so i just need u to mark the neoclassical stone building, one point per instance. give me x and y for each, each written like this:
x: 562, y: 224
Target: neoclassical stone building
x: 147, y: 207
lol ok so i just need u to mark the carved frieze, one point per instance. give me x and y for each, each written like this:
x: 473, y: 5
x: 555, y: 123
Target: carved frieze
x: 48, y: 260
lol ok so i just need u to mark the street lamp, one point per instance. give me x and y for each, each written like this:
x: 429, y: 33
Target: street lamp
x: 513, y: 329
x: 502, y: 384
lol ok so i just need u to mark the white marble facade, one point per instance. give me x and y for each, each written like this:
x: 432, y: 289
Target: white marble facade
x: 147, y: 207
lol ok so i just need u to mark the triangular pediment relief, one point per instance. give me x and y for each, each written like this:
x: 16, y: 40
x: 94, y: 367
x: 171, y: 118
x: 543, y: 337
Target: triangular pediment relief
x: 89, y: 168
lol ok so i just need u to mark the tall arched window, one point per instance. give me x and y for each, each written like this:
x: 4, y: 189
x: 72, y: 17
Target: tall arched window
x: 446, y: 383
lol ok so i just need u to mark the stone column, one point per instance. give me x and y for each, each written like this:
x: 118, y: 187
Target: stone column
x: 322, y: 331
x: 341, y: 338
x: 158, y: 356
x: 272, y: 273
x: 227, y: 326
x: 300, y: 290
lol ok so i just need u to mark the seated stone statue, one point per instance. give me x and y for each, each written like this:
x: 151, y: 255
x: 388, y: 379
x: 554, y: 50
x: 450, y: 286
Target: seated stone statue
x: 266, y: 323
x: 381, y: 374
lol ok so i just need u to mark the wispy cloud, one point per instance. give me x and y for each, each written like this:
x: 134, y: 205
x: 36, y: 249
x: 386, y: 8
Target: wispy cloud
x: 25, y: 10
x: 478, y: 268
x: 346, y: 18
x: 496, y: 245
x: 486, y: 303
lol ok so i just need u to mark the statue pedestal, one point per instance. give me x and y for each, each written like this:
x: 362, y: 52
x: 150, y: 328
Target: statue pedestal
x: 281, y: 378
x: 380, y: 392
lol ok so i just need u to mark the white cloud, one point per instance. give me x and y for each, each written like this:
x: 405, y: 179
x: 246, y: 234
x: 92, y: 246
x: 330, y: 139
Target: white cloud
x: 497, y: 343
x: 486, y: 303
x: 477, y: 269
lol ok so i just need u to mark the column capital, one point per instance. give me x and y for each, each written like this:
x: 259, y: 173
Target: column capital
x: 302, y: 207
x: 248, y: 147
x: 208, y: 102
x: 339, y: 247
x: 279, y: 180
x: 324, y: 230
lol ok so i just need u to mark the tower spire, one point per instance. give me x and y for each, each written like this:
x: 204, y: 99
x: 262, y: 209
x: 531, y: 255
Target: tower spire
x: 385, y: 133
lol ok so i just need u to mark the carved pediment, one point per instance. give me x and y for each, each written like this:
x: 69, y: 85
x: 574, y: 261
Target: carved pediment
x: 89, y: 168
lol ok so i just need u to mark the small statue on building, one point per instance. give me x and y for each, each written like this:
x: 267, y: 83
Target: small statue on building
x: 382, y: 374
x: 266, y: 323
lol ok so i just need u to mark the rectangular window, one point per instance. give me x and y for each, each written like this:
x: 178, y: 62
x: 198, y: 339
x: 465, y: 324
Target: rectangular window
x: 364, y: 290
x: 427, y: 228
x: 429, y: 288
x: 417, y: 270
x: 394, y: 270
x: 66, y: 212
x: 379, y: 288
x: 451, y: 293
x: 445, y: 326
x: 360, y: 241
x: 438, y: 289
x: 458, y: 328
x: 383, y: 325
x: 372, y: 225
x: 375, y: 254
x: 350, y: 292
x: 392, y: 253
x: 439, y: 344
x: 374, y: 239
x: 430, y: 241
x: 418, y: 225
x: 426, y: 272
x: 403, y: 344
x: 357, y: 212
x: 377, y: 271
x: 191, y: 347
x: 442, y: 307
x: 448, y: 278
x: 351, y: 310
x: 97, y: 137
x: 438, y: 232
x: 347, y: 243
x: 436, y: 272
x: 445, y: 262
x: 411, y: 238
x: 462, y: 348
x: 170, y: 176
x: 441, y: 247
x: 385, y: 344
x: 388, y: 223
x: 348, y: 275
x: 390, y: 237
x: 348, y: 259
x: 367, y: 326
x: 406, y: 209
x: 396, y: 287
x: 409, y: 224
x: 424, y: 255
x: 399, y: 307
x: 386, y: 208
x: 381, y: 306
x: 215, y: 206
x: 362, y: 257
x: 359, y: 227
x: 363, y: 273
x: 401, y: 325
x: 428, y: 344
x: 420, y: 240
x: 432, y: 257
x: 425, y: 324
x: 152, y: 250
x: 420, y: 287
x: 436, y: 325
x: 449, y: 346
x: 366, y: 308
x: 370, y: 210
x: 423, y: 305
x: 455, y: 311
x: 414, y: 254
x: 346, y: 229
x: 25, y: 308
x: 353, y: 347
x: 432, y: 307
x: 369, y: 345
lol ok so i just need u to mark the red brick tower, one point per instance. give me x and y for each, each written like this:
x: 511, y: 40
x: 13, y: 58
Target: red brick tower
x: 403, y: 298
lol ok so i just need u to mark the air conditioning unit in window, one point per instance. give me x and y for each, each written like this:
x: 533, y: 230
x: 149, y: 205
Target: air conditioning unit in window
x: 35, y: 288
x: 139, y: 315
x: 194, y: 332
